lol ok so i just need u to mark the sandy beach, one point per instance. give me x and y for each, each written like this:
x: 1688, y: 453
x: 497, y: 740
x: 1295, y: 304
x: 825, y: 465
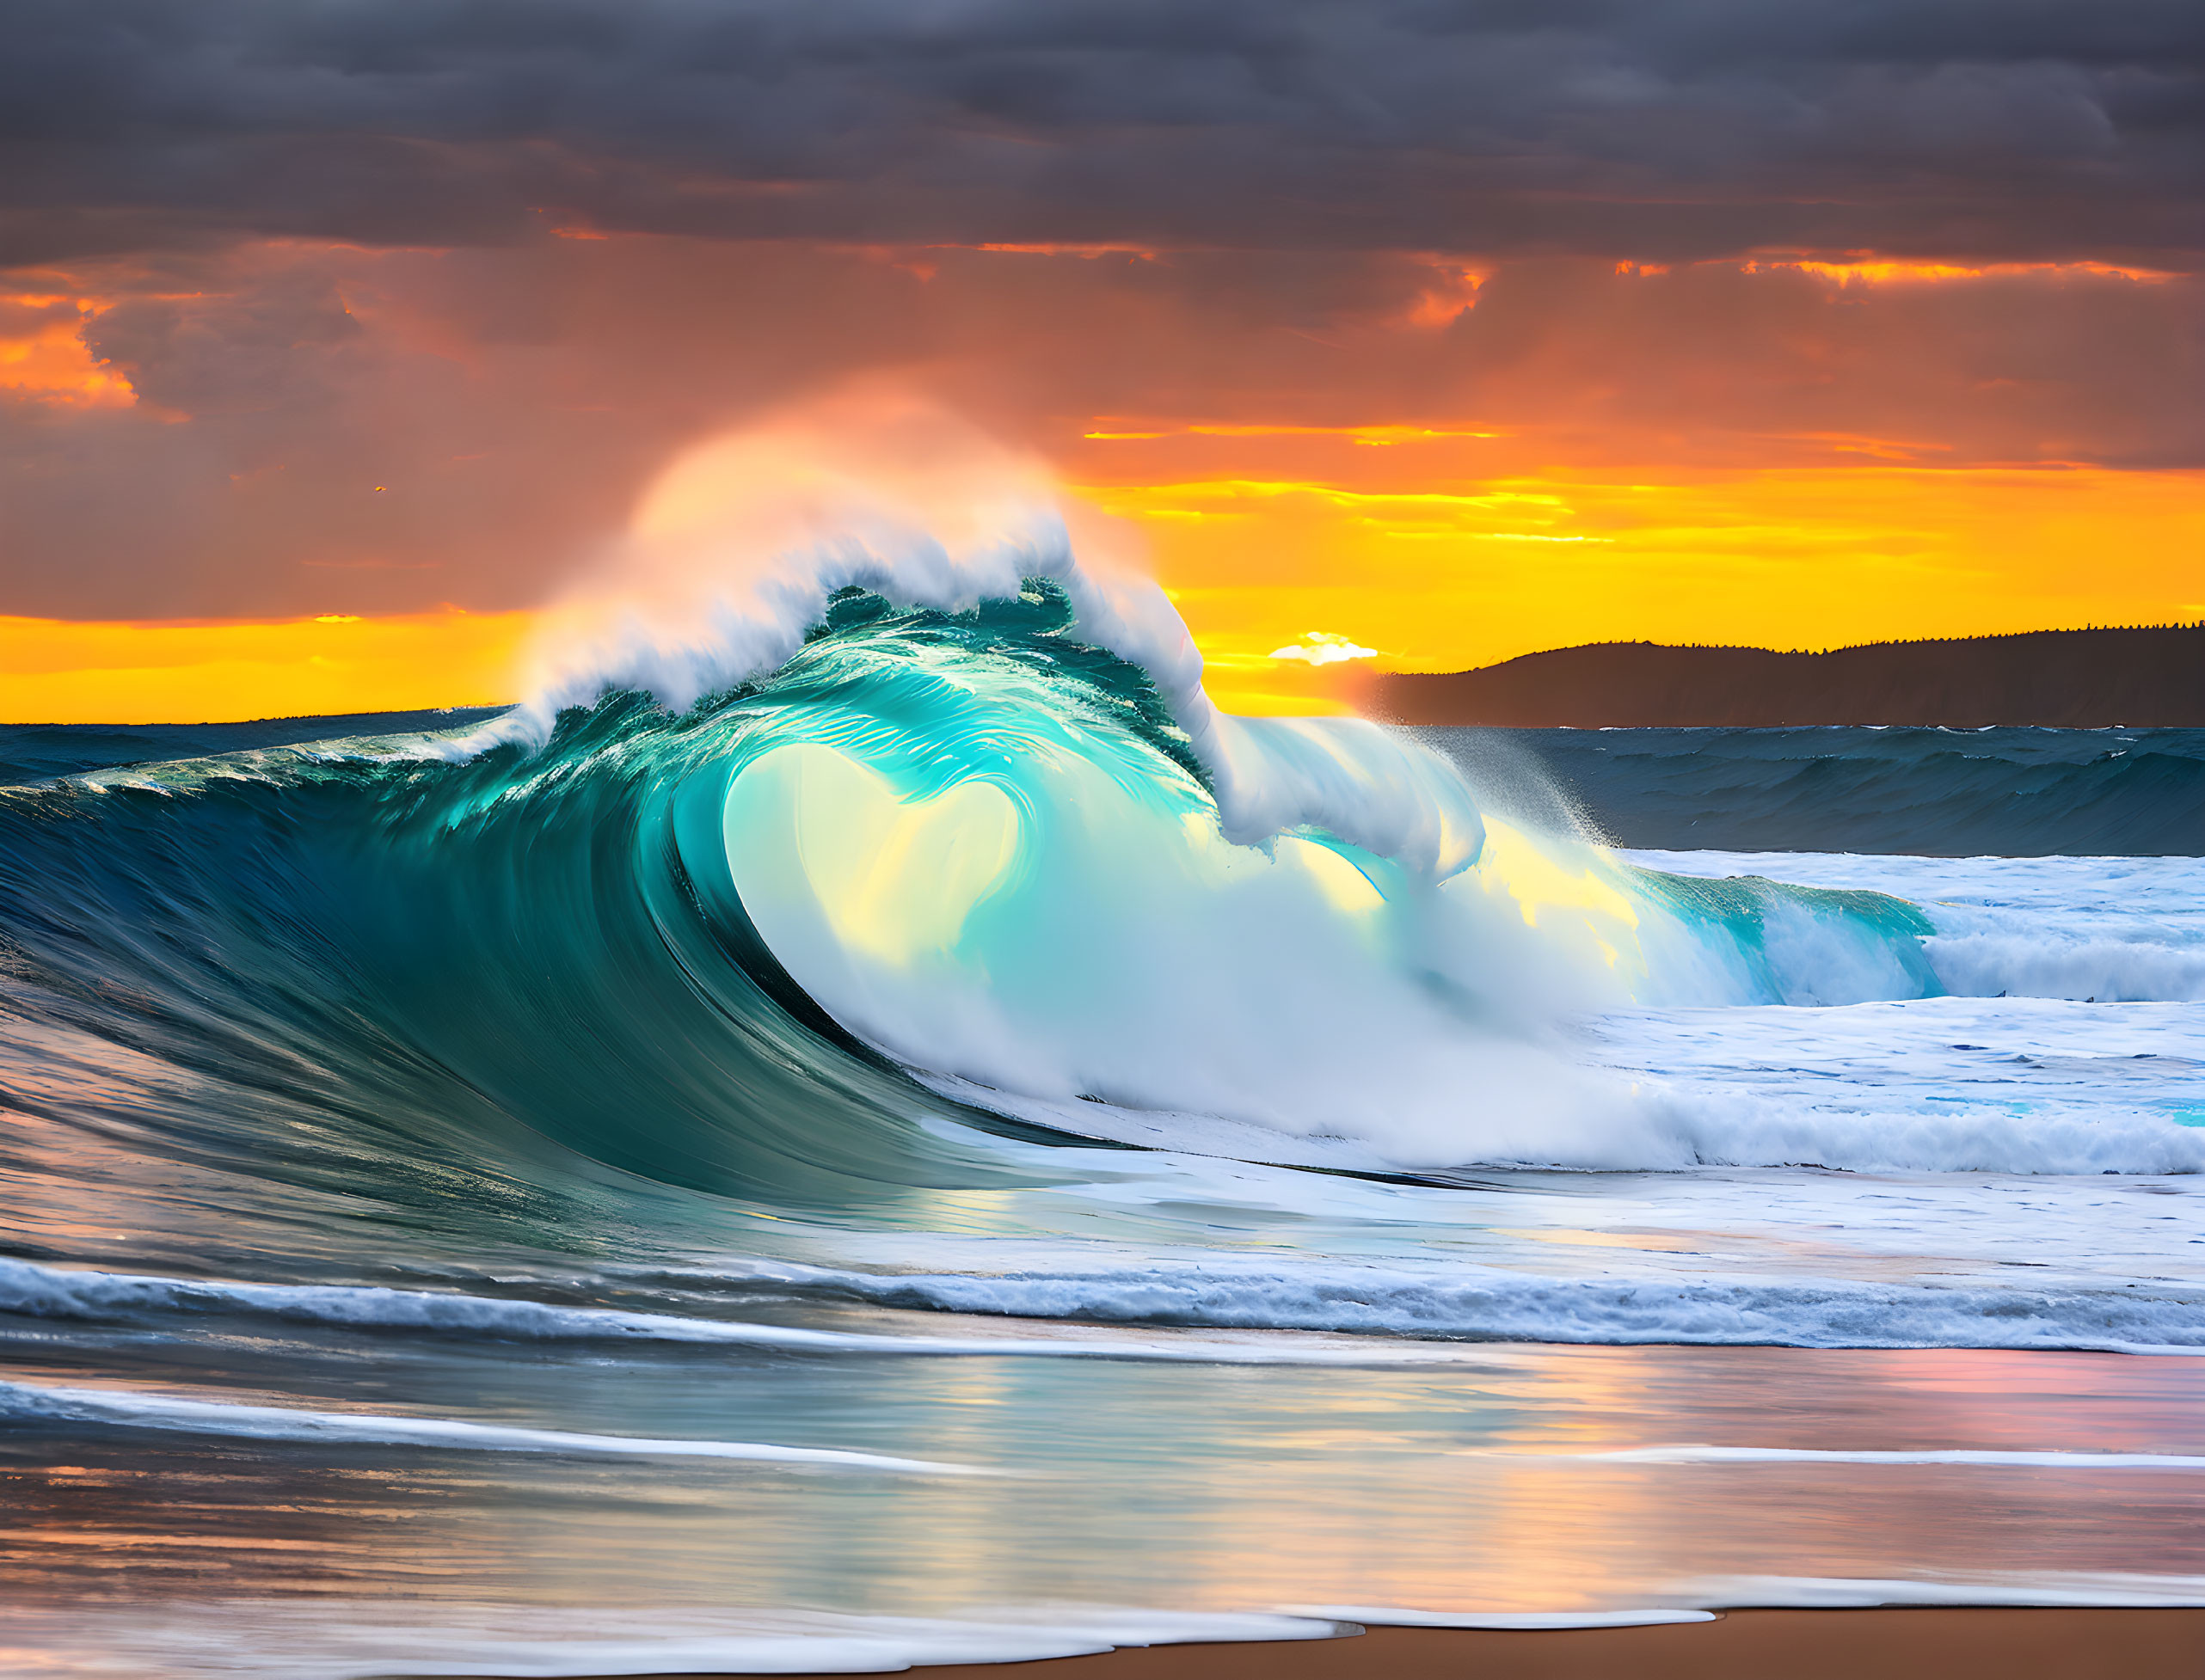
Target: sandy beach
x: 1907, y: 1643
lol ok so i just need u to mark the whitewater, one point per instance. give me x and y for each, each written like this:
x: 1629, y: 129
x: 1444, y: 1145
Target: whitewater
x: 871, y: 1122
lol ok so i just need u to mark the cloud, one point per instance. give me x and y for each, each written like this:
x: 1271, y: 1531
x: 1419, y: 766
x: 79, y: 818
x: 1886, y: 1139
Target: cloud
x: 1603, y: 128
x: 514, y: 402
x: 1320, y: 647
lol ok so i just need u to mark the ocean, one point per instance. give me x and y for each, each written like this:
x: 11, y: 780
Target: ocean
x: 937, y: 1151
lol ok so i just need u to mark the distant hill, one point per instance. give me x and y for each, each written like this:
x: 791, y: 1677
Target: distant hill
x: 2076, y: 679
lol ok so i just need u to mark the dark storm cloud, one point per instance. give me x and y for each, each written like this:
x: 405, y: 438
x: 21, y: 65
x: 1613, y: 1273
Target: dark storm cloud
x: 1658, y: 131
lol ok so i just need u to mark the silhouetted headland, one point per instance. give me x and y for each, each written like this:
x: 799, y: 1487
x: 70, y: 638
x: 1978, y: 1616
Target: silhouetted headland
x: 2074, y: 679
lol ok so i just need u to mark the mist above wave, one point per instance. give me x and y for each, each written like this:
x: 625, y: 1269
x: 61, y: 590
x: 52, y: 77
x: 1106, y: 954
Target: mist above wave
x: 736, y: 551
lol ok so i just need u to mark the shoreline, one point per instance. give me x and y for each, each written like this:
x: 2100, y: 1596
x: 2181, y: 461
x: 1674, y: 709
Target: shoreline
x: 1891, y: 1642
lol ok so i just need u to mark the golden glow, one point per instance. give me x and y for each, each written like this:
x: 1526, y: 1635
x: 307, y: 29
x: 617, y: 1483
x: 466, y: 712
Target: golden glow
x: 58, y: 672
x: 52, y: 362
x: 1434, y: 579
x: 1441, y: 577
x: 1652, y: 1242
x: 1561, y: 885
x: 895, y: 878
x: 1376, y: 436
x: 1453, y: 289
x: 1881, y: 272
x: 1141, y: 252
x: 1347, y: 888
x: 1221, y: 494
x: 1510, y: 863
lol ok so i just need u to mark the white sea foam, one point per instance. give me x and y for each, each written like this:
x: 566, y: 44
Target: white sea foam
x: 1490, y: 1304
x: 1985, y: 1458
x: 2032, y: 959
x: 1089, y: 933
x: 120, y: 1408
x: 336, y: 1639
x: 1720, y: 1104
x: 55, y: 1292
x: 2106, y: 930
x: 1382, y: 1616
x: 52, y: 1292
x: 2017, y: 1589
x: 1455, y: 1303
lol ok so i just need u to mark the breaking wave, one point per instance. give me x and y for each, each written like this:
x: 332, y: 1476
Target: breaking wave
x: 969, y: 862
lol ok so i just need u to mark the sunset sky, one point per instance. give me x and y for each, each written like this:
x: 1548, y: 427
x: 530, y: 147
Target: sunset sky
x: 336, y: 338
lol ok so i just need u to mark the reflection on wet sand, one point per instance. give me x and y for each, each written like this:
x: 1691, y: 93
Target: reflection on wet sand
x: 1193, y: 1489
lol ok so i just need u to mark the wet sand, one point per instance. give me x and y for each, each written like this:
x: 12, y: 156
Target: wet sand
x: 1743, y: 1644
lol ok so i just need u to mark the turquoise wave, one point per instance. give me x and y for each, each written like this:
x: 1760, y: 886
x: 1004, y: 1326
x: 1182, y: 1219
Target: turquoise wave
x: 744, y: 949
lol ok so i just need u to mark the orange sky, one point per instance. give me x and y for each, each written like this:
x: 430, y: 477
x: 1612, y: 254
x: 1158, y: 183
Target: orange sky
x: 1446, y: 462
x: 54, y: 670
x: 1440, y: 574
